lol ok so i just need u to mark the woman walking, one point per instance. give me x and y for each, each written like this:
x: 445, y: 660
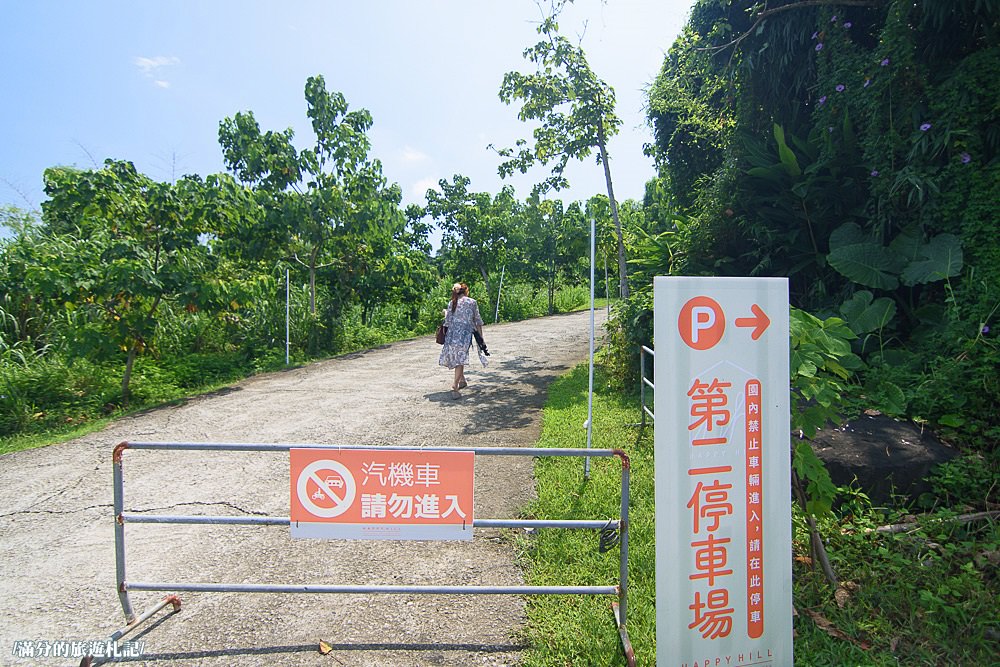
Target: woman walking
x: 462, y: 318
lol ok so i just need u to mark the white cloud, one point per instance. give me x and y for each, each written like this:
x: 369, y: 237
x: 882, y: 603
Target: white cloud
x: 421, y: 187
x: 150, y: 67
x: 411, y: 155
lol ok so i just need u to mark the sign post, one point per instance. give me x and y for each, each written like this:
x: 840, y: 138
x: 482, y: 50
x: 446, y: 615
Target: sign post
x: 381, y: 494
x: 723, y: 497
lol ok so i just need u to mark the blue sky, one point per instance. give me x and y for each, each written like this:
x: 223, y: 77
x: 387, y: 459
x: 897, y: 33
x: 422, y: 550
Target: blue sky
x: 150, y: 81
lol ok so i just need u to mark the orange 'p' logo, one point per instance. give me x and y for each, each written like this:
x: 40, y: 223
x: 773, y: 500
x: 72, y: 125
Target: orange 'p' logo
x: 701, y: 323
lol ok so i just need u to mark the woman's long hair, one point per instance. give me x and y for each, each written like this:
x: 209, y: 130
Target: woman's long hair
x: 458, y: 290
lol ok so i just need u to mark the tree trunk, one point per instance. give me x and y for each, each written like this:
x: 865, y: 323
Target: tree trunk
x: 486, y: 280
x: 818, y: 548
x: 552, y: 289
x: 312, y: 281
x: 127, y: 377
x: 622, y: 275
x: 133, y: 352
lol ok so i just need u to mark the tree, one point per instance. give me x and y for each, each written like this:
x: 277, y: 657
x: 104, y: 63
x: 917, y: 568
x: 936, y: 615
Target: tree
x: 119, y: 245
x: 852, y: 147
x: 391, y: 262
x: 314, y: 195
x: 577, y: 114
x: 475, y: 225
x: 22, y: 319
x: 558, y: 240
x: 19, y: 221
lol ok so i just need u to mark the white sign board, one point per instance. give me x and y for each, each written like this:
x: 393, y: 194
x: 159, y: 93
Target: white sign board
x: 723, y: 496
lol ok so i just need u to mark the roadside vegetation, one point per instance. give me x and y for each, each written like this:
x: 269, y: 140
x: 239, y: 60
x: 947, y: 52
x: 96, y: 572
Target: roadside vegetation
x: 926, y: 595
x: 55, y: 395
x: 852, y: 148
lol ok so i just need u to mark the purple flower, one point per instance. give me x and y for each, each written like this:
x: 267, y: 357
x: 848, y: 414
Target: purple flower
x: 834, y: 19
x: 840, y: 87
x: 874, y: 173
x: 885, y: 62
x: 925, y: 127
x: 848, y: 24
x: 815, y: 34
x: 822, y: 99
x: 986, y: 329
x: 819, y: 47
x: 966, y: 158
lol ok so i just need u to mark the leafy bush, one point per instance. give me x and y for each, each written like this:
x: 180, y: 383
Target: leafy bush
x: 946, y: 375
x: 630, y: 327
x: 49, y: 392
x: 152, y: 383
x: 568, y: 299
x: 854, y: 150
x: 269, y: 361
x: 969, y: 480
x: 519, y: 301
x: 200, y: 369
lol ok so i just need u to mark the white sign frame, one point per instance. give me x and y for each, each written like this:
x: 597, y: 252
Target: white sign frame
x: 723, y: 497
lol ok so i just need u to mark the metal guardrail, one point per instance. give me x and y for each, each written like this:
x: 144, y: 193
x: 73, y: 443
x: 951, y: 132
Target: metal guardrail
x: 643, y: 383
x: 122, y: 517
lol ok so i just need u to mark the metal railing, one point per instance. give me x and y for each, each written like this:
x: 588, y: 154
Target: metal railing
x: 122, y: 517
x: 643, y: 383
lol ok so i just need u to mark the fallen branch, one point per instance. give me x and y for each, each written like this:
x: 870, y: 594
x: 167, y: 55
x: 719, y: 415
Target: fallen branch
x: 910, y: 525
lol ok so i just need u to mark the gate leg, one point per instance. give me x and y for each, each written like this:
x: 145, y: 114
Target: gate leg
x: 119, y: 491
x: 172, y: 600
x: 621, y: 607
x: 623, y: 633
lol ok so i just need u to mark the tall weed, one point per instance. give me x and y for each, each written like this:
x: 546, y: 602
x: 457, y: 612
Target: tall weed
x: 519, y: 301
x: 568, y: 299
x: 50, y: 392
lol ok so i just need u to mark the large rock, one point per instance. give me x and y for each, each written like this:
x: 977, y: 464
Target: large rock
x: 886, y: 456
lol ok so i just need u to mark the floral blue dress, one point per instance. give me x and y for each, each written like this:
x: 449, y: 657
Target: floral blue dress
x: 455, y: 351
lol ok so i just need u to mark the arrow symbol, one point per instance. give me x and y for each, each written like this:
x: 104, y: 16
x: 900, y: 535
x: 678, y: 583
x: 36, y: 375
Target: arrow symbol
x: 759, y: 322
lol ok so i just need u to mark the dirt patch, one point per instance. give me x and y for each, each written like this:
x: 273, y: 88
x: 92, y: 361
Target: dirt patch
x: 883, y: 456
x: 57, y: 566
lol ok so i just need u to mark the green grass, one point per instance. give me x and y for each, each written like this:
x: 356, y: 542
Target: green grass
x: 927, y: 597
x: 149, y: 392
x: 580, y: 630
x: 16, y: 443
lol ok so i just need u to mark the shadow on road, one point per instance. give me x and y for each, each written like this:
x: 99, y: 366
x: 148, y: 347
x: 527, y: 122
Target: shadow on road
x: 505, y: 399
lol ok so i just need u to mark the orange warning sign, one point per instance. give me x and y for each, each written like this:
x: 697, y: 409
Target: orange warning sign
x: 381, y: 493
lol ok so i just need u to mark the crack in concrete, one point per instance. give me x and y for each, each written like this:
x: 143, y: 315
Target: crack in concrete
x: 72, y: 511
x: 197, y: 503
x: 144, y: 510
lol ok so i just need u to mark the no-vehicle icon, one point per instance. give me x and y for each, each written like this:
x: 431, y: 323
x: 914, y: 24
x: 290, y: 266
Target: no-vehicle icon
x: 326, y: 488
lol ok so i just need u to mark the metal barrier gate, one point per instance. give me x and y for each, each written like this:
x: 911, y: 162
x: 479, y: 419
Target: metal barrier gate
x: 122, y: 517
x: 643, y: 382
